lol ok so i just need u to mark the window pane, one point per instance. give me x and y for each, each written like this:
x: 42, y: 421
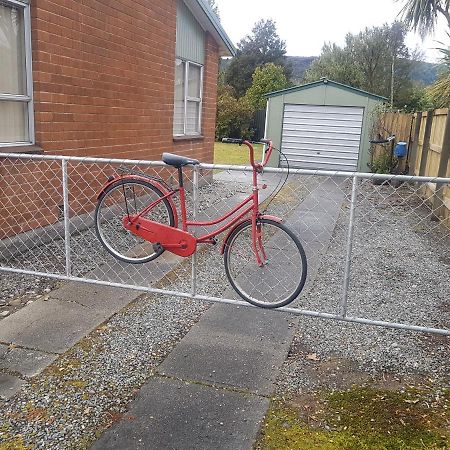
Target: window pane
x: 12, y: 50
x: 194, y: 81
x: 178, y: 113
x: 13, y: 122
x: 193, y: 116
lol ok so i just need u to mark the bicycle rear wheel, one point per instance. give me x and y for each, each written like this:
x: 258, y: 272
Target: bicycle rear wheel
x: 281, y: 278
x: 129, y: 197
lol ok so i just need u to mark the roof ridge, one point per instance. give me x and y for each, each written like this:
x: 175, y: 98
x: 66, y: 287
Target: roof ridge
x: 324, y: 80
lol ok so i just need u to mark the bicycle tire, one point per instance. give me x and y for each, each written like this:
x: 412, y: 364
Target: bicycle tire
x: 281, y: 279
x: 113, y: 205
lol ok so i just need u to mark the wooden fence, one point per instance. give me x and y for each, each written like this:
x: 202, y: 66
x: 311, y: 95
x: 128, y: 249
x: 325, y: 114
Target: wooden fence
x: 428, y: 138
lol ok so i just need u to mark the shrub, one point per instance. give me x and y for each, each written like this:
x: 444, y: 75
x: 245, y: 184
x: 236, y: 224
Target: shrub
x: 233, y: 115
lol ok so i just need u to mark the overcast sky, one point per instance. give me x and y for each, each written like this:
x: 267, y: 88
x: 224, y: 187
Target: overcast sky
x: 306, y: 25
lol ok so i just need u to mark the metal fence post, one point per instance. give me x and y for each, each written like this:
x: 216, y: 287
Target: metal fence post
x: 194, y: 217
x: 65, y: 186
x: 349, y: 248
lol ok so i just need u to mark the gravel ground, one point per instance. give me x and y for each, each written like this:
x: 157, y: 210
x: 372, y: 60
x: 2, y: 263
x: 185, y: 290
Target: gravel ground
x: 401, y: 273
x: 89, y: 387
x: 17, y: 290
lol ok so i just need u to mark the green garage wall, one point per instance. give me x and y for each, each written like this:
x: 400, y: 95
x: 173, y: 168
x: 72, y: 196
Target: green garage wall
x: 324, y: 92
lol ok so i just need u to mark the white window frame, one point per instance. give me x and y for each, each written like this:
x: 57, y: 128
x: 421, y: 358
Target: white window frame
x: 28, y: 97
x: 187, y: 98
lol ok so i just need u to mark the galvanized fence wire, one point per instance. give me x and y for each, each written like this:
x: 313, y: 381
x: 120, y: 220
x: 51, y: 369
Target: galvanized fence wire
x: 377, y: 245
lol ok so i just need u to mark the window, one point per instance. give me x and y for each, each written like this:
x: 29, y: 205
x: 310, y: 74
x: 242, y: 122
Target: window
x: 16, y: 109
x: 188, y: 98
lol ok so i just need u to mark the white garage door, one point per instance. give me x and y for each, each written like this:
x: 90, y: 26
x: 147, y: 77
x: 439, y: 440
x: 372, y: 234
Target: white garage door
x: 321, y: 137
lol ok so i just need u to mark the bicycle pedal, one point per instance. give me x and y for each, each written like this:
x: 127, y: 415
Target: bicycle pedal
x: 158, y: 248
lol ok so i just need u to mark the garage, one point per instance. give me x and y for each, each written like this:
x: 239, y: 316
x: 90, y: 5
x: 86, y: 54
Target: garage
x: 323, y: 125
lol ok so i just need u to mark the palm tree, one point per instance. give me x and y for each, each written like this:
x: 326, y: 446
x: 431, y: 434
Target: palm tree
x: 421, y: 15
x: 439, y: 91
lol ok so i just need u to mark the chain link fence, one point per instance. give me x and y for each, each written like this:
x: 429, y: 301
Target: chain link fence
x: 378, y: 246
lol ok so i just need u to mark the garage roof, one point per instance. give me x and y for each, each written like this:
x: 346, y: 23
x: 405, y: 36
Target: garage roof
x: 209, y: 21
x: 325, y: 81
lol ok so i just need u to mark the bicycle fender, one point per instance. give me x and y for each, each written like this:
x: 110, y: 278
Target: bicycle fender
x: 264, y: 216
x: 155, y: 183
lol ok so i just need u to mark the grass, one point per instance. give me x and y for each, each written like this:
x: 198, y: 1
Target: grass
x: 234, y: 154
x: 361, y: 418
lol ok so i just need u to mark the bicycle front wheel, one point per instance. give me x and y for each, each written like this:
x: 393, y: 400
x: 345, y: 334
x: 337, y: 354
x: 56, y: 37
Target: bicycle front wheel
x: 282, y: 276
x: 128, y: 197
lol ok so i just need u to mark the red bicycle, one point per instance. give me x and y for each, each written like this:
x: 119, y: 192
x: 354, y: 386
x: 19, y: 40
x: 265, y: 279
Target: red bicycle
x: 136, y: 220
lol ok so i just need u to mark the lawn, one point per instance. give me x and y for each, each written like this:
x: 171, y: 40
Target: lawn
x: 234, y: 154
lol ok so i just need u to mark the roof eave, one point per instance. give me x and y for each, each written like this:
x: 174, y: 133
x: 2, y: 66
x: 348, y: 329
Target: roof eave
x: 325, y: 81
x: 208, y: 20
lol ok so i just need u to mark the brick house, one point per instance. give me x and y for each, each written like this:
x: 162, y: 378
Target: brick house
x: 97, y: 78
x: 122, y: 79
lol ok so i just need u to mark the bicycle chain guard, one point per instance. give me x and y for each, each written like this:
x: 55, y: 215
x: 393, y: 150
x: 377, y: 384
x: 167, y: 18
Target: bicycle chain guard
x: 172, y: 239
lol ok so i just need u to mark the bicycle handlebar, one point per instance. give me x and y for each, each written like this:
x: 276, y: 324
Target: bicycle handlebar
x: 267, y: 152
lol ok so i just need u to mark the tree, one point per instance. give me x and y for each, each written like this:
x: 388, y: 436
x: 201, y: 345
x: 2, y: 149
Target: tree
x: 233, y: 115
x: 422, y: 15
x: 261, y: 47
x: 375, y: 60
x: 335, y: 64
x: 267, y: 78
x: 439, y: 92
x: 214, y: 8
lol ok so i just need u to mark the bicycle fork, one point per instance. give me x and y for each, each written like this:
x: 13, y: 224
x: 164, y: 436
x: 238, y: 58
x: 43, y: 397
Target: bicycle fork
x: 257, y: 245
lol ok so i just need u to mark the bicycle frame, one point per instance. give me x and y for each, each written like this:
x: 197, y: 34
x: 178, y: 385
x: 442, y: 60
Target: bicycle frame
x: 250, y: 204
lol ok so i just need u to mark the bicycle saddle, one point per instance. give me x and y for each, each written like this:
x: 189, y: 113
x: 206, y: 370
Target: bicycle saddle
x: 178, y: 161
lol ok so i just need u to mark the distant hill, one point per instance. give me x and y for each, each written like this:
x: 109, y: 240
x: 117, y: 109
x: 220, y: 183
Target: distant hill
x: 423, y: 72
x: 299, y: 65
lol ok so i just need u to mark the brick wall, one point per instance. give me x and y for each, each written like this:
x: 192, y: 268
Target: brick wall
x: 103, y: 77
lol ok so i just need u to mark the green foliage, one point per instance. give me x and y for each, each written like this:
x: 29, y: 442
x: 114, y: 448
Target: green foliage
x: 381, y: 163
x: 422, y: 15
x: 335, y: 64
x: 439, y: 92
x: 418, y: 99
x: 366, y: 62
x: 424, y: 73
x: 233, y: 153
x: 299, y: 65
x: 360, y: 419
x: 233, y: 115
x: 267, y: 78
x: 261, y: 47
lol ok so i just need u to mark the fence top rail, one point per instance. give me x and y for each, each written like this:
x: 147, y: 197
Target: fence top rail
x: 330, y: 173
x: 86, y: 159
x: 229, y: 167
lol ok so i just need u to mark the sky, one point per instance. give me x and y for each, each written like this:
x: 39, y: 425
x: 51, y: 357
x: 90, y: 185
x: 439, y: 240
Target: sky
x: 306, y: 24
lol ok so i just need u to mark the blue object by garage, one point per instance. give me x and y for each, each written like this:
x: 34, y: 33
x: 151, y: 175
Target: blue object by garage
x: 401, y: 149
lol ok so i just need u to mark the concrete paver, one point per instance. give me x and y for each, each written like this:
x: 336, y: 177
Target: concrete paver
x: 101, y: 298
x: 24, y: 361
x: 238, y: 347
x: 52, y: 326
x: 9, y: 385
x: 171, y: 414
